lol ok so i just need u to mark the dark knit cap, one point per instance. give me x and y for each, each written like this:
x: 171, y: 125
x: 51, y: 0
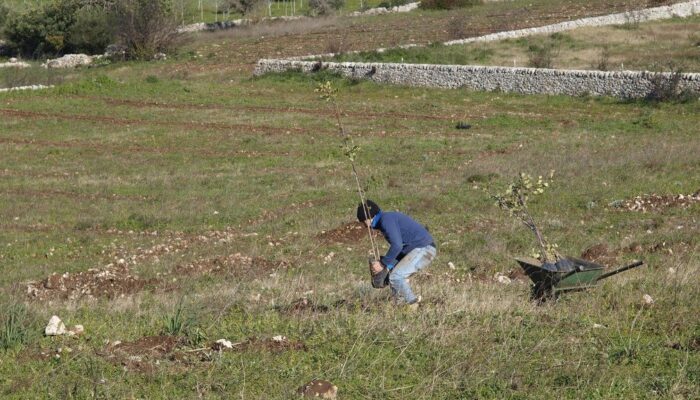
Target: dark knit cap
x: 368, y: 211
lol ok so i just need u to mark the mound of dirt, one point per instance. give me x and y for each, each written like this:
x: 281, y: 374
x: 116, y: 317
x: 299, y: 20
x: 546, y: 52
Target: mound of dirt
x: 110, y: 283
x: 237, y: 264
x: 656, y: 202
x: 351, y: 232
x: 600, y: 254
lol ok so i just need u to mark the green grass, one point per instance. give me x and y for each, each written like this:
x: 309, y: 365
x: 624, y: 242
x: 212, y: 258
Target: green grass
x: 197, y: 156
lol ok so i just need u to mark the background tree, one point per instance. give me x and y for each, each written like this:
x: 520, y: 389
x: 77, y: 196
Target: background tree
x: 145, y: 27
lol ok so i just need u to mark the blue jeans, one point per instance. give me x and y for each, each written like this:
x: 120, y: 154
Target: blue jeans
x: 413, y: 262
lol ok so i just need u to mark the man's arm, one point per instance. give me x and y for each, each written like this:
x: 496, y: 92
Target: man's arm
x: 393, y: 236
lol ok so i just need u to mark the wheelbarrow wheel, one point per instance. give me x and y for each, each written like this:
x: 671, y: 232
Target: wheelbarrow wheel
x: 541, y: 292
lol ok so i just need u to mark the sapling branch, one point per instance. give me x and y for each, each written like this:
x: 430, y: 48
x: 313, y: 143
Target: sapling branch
x: 515, y: 201
x: 328, y: 93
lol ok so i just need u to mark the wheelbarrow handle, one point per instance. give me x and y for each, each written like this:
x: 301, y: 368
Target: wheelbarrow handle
x: 622, y: 269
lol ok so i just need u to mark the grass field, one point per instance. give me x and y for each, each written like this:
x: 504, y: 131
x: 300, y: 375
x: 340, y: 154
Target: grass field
x: 650, y: 46
x: 189, y: 201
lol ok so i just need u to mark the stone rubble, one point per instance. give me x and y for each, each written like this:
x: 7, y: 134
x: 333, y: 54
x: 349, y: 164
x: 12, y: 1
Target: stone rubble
x: 14, y: 63
x: 30, y: 87
x: 69, y: 61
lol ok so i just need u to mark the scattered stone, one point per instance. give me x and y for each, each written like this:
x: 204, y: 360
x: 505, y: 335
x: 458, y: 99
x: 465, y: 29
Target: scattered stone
x: 114, y: 51
x: 319, y: 388
x: 14, y: 63
x: 222, y: 344
x: 160, y: 57
x: 55, y: 327
x: 656, y: 202
x: 76, y: 330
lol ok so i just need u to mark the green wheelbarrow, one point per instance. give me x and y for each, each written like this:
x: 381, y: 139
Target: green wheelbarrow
x: 549, y: 284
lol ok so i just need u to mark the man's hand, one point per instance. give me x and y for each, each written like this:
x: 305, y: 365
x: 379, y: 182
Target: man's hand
x: 376, y: 267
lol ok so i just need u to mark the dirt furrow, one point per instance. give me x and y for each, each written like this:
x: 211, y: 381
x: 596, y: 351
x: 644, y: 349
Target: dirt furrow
x: 127, y: 121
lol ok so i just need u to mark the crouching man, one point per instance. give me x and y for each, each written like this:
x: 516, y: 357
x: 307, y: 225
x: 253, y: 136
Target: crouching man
x: 411, y: 249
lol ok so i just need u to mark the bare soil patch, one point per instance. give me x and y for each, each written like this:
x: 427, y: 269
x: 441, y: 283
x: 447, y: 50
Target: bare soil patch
x: 600, y: 254
x: 234, y: 264
x: 110, y: 283
x: 303, y: 305
x: 144, y: 354
x: 351, y: 232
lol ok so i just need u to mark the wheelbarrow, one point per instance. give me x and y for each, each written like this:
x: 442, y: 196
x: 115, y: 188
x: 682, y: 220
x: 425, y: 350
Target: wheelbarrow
x: 549, y: 284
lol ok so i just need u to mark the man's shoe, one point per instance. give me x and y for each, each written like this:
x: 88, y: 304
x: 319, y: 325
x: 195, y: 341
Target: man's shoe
x: 413, y: 306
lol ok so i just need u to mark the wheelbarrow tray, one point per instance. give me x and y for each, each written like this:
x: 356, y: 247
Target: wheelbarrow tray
x: 585, y: 275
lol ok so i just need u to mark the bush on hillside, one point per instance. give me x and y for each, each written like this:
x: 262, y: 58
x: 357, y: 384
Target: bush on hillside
x: 319, y: 7
x: 244, y: 7
x: 92, y: 32
x: 59, y: 27
x: 43, y: 31
x: 145, y: 27
x: 448, y: 4
x: 4, y: 12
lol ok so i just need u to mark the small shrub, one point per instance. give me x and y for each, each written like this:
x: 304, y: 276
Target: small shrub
x: 457, y: 27
x: 145, y: 27
x: 542, y: 56
x: 14, y: 328
x: 175, y: 324
x: 632, y: 20
x: 91, y: 33
x: 244, y: 7
x: 336, y: 4
x: 448, y: 4
x: 182, y: 324
x: 665, y: 88
x: 319, y: 7
x: 603, y: 63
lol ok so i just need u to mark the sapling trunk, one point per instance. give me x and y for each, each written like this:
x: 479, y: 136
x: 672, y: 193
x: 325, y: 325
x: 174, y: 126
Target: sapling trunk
x: 350, y: 151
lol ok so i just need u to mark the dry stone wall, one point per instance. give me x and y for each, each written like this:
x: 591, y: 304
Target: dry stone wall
x: 628, y: 84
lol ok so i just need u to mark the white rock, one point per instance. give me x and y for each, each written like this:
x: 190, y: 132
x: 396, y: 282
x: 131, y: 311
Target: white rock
x: 451, y: 265
x: 76, y: 330
x: 502, y: 279
x: 279, y: 338
x: 648, y: 300
x: 598, y: 326
x: 223, y: 343
x: 55, y: 327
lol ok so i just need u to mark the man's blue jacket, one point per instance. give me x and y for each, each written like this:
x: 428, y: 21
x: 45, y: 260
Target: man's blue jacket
x: 403, y: 234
